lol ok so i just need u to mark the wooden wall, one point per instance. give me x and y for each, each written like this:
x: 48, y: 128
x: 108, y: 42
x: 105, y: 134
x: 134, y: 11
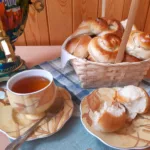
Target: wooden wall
x: 61, y: 17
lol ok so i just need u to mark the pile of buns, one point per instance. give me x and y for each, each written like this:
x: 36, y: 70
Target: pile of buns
x: 119, y: 106
x: 99, y: 41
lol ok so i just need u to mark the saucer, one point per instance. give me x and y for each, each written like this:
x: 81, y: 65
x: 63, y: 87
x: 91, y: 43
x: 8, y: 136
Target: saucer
x: 133, y: 136
x: 14, y: 124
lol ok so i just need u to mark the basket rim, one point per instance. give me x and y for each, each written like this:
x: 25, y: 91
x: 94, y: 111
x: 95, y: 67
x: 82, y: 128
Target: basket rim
x: 117, y: 64
x: 97, y: 63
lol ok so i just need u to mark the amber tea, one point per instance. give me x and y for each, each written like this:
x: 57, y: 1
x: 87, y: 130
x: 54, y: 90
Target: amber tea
x: 30, y: 84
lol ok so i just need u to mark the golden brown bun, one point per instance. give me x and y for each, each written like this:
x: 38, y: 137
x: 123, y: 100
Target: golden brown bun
x: 110, y: 123
x: 129, y: 58
x: 91, y: 27
x: 139, y: 45
x: 104, y: 48
x: 79, y: 46
x: 111, y: 115
x: 135, y: 99
x: 115, y: 27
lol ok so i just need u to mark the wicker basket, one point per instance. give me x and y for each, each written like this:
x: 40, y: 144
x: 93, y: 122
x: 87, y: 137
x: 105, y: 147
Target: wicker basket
x: 93, y: 74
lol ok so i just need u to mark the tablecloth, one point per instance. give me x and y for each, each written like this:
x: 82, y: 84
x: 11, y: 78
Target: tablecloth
x: 73, y: 136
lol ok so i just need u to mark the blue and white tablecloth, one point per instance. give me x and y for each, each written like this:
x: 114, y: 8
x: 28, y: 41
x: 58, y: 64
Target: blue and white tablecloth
x: 73, y: 136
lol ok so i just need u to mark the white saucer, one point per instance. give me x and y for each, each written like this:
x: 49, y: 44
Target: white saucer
x: 133, y: 136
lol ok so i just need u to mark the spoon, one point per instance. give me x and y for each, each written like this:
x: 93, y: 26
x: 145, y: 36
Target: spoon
x: 15, y: 145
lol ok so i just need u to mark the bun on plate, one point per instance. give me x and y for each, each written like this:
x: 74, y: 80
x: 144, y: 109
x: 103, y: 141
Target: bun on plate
x: 104, y: 48
x: 139, y: 45
x: 117, y: 106
x: 79, y: 46
x: 111, y: 115
x: 135, y: 99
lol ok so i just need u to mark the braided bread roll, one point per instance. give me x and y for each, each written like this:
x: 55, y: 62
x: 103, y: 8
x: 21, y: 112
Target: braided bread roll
x: 104, y: 48
x: 92, y: 27
x: 139, y: 45
x: 115, y: 27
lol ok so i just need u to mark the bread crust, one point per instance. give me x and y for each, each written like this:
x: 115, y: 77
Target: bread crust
x: 104, y: 48
x: 91, y: 27
x: 139, y: 45
x: 114, y: 27
x: 111, y: 123
x: 79, y: 46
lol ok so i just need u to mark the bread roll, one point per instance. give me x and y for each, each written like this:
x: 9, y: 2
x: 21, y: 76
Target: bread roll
x: 104, y: 48
x: 129, y: 58
x: 111, y: 115
x: 79, y: 46
x: 135, y: 99
x: 139, y: 45
x: 91, y: 27
x: 115, y: 27
x: 111, y: 119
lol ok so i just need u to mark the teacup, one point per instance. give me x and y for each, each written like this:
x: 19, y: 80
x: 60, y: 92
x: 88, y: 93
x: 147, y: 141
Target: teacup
x: 33, y: 104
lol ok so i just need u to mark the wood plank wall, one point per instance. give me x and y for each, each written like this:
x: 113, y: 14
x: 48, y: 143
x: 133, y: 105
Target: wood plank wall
x: 61, y: 17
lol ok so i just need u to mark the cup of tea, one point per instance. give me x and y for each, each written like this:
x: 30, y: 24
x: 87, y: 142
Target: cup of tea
x: 31, y: 92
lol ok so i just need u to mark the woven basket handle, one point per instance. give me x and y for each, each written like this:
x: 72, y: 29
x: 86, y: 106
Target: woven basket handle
x: 130, y: 22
